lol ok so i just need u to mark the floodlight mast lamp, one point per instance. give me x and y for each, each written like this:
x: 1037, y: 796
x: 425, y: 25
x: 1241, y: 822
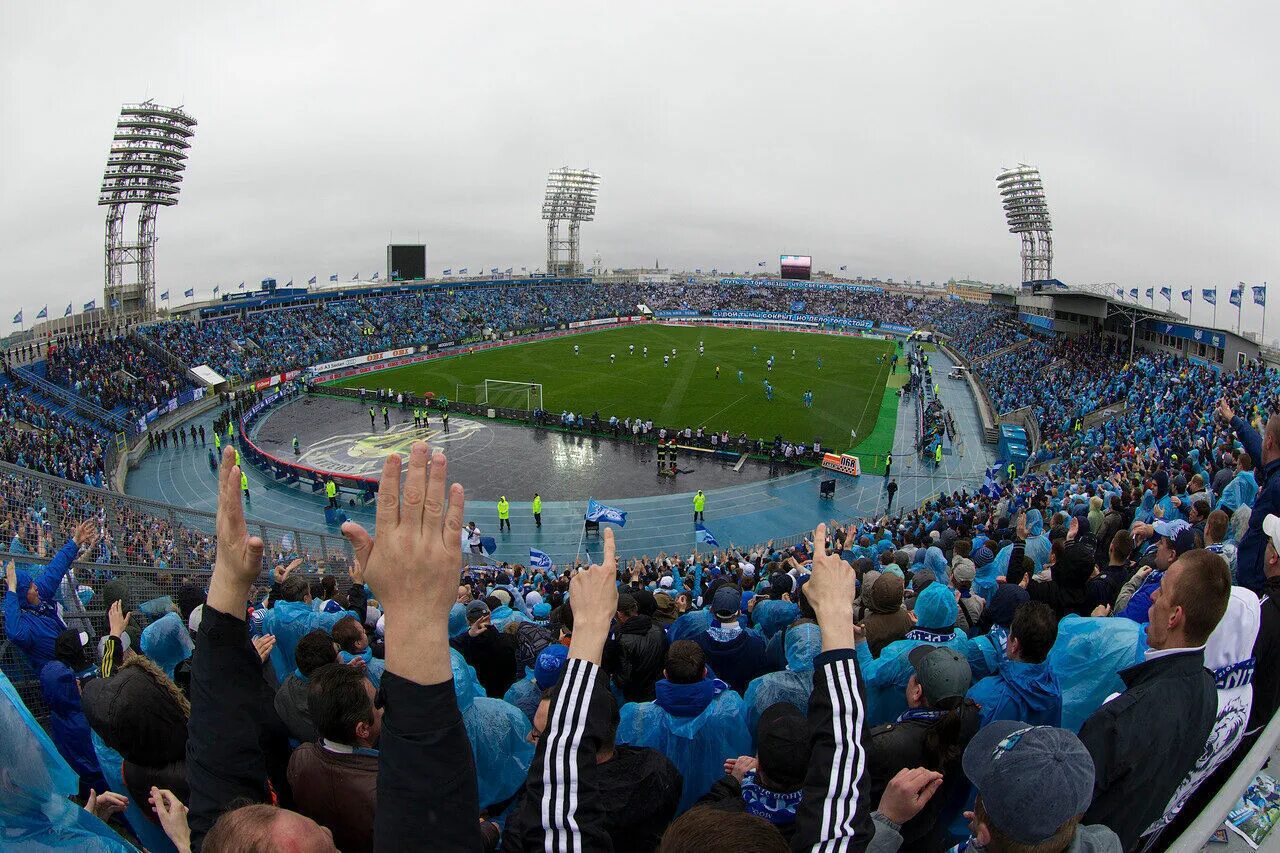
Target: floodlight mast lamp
x: 571, y: 198
x: 1028, y: 216
x: 144, y: 168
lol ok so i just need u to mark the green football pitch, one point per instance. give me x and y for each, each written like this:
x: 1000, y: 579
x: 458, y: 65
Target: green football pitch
x: 849, y: 390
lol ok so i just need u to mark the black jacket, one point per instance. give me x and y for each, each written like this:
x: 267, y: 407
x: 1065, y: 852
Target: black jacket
x: 637, y: 656
x: 493, y: 655
x: 1145, y: 740
x: 726, y: 795
x: 894, y: 746
x: 1266, y: 655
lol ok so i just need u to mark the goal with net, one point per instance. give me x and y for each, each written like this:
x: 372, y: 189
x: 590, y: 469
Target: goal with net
x: 503, y: 394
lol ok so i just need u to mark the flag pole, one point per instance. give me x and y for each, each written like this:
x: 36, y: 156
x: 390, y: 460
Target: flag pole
x: 583, y: 534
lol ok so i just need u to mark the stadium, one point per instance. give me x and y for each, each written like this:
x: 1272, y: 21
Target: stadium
x: 1058, y: 488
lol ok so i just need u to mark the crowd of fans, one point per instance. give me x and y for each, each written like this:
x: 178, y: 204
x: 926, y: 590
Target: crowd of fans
x: 34, y: 436
x: 899, y: 682
x: 111, y: 371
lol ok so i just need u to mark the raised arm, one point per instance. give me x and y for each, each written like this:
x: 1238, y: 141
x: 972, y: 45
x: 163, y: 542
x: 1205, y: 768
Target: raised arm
x: 224, y: 759
x: 83, y: 539
x: 426, y: 772
x: 562, y: 808
x: 834, y: 812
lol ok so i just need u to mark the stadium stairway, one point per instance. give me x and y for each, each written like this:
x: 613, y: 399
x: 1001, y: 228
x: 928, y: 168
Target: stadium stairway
x: 64, y: 402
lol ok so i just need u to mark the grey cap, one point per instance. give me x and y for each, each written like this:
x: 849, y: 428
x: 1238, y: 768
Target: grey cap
x: 1010, y: 763
x: 941, y: 671
x: 476, y: 609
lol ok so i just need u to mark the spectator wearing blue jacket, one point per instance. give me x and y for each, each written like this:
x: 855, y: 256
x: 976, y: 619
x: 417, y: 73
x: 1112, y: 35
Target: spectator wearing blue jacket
x: 1174, y: 539
x: 1242, y: 488
x: 60, y: 685
x: 1249, y: 557
x: 1024, y: 687
x: 32, y: 614
x: 290, y: 619
x: 735, y: 654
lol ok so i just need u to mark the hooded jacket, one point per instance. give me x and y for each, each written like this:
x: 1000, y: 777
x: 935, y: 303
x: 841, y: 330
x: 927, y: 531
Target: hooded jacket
x: 771, y: 616
x: 67, y: 724
x: 803, y: 644
x: 638, y: 654
x: 289, y: 621
x: 1087, y: 659
x: 35, y: 629
x: 1229, y: 654
x: 292, y: 707
x: 737, y: 660
x: 695, y: 725
x: 885, y: 620
x: 139, y: 713
x: 167, y: 642
x: 886, y: 677
x: 1020, y: 691
x: 1241, y: 491
x: 1266, y: 651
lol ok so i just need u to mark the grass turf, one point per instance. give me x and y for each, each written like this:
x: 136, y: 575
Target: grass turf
x: 849, y: 390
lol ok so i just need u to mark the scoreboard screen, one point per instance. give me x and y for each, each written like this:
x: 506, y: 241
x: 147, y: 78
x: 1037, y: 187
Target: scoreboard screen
x: 797, y: 266
x: 406, y: 262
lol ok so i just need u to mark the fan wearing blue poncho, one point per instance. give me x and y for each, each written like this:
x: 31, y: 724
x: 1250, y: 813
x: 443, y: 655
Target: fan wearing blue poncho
x: 290, y: 619
x: 886, y: 676
x: 696, y: 721
x: 32, y: 614
x: 1242, y: 489
x: 689, y: 625
x: 353, y: 644
x: 772, y: 616
x: 34, y: 788
x: 1024, y: 686
x: 803, y: 643
x: 527, y: 692
x: 1037, y: 547
x: 167, y: 642
x: 497, y: 731
x: 60, y: 686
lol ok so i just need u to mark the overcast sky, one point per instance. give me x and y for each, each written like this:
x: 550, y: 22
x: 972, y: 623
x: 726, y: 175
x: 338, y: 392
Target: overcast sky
x: 866, y: 134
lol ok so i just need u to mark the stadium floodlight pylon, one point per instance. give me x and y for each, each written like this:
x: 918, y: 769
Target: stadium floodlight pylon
x: 571, y: 198
x: 144, y: 168
x: 503, y: 393
x: 1027, y: 213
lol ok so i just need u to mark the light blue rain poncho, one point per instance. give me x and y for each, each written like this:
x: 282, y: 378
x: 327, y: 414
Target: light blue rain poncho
x: 35, y: 812
x: 167, y: 642
x: 773, y: 616
x: 289, y: 621
x: 1037, y: 548
x: 1241, y: 491
x: 1086, y: 658
x: 373, y: 667
x: 689, y: 625
x: 1146, y: 511
x: 936, y: 562
x: 697, y: 726
x: 497, y: 733
x: 886, y: 676
x: 794, y: 684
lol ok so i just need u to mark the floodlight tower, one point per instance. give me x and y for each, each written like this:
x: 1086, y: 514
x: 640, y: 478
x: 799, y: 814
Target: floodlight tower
x: 571, y: 197
x: 1028, y: 215
x: 144, y: 169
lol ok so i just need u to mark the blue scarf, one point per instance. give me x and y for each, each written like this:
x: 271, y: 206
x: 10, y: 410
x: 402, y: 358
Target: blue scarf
x: 778, y: 809
x: 927, y: 636
x: 920, y: 714
x: 724, y: 633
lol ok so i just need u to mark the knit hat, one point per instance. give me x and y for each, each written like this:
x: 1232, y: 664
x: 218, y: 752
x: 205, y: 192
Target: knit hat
x: 886, y: 594
x: 1007, y: 599
x: 546, y: 669
x: 782, y: 745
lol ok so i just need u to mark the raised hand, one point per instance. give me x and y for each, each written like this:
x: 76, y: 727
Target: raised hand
x: 279, y: 573
x: 239, y: 558
x: 594, y: 596
x: 263, y: 646
x: 117, y: 619
x: 1224, y: 409
x: 830, y: 591
x: 414, y: 565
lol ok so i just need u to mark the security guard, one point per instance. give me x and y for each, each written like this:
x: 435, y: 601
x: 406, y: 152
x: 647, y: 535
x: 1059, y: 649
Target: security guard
x: 373, y: 418
x: 937, y: 454
x: 537, y: 509
x: 504, y: 514
x: 699, y: 503
x: 296, y: 446
x: 231, y: 430
x: 244, y: 484
x: 1013, y: 470
x: 444, y: 418
x: 331, y: 492
x: 386, y: 419
x: 217, y: 444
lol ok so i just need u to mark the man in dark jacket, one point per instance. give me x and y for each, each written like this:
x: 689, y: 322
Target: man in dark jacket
x: 335, y: 781
x: 1112, y: 523
x: 735, y: 654
x: 1266, y: 447
x: 637, y: 653
x: 770, y: 784
x: 1266, y: 648
x: 493, y: 654
x: 1145, y: 740
x: 314, y: 650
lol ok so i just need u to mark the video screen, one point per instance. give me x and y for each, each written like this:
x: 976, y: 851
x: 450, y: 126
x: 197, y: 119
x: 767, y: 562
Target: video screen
x: 406, y: 263
x: 797, y: 266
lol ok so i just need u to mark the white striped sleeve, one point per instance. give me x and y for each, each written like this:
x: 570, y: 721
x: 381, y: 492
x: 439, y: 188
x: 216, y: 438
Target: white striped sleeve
x: 561, y: 780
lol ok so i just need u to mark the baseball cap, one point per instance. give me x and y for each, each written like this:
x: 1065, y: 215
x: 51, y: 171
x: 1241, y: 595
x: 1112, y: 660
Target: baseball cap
x: 782, y: 745
x: 1180, y: 534
x: 546, y: 669
x: 1271, y: 527
x: 476, y: 609
x: 1009, y: 762
x: 727, y: 601
x: 665, y: 581
x: 941, y: 671
x: 964, y: 571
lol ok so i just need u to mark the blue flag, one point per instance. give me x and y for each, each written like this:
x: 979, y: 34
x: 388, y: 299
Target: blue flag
x: 67, y: 313
x: 1150, y: 292
x: 1186, y: 295
x: 375, y: 276
x: 539, y: 560
x: 1133, y: 293
x: 509, y: 270
x: 355, y: 277
x: 311, y: 280
x: 703, y: 535
x: 761, y: 263
x: 189, y: 292
x: 17, y: 318
x: 1120, y: 292
x: 90, y: 305
x: 462, y: 271
x: 843, y: 268
x: 1166, y: 292
x: 1259, y: 294
x: 1237, y: 295
x: 164, y: 297
x: 216, y: 288
x: 597, y: 511
x: 395, y: 273
x: 449, y: 271
x: 44, y: 312
x: 290, y: 284
x: 990, y: 485
x: 1210, y: 295
x: 115, y: 303
x: 242, y: 285
x: 698, y: 271
x: 333, y: 277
